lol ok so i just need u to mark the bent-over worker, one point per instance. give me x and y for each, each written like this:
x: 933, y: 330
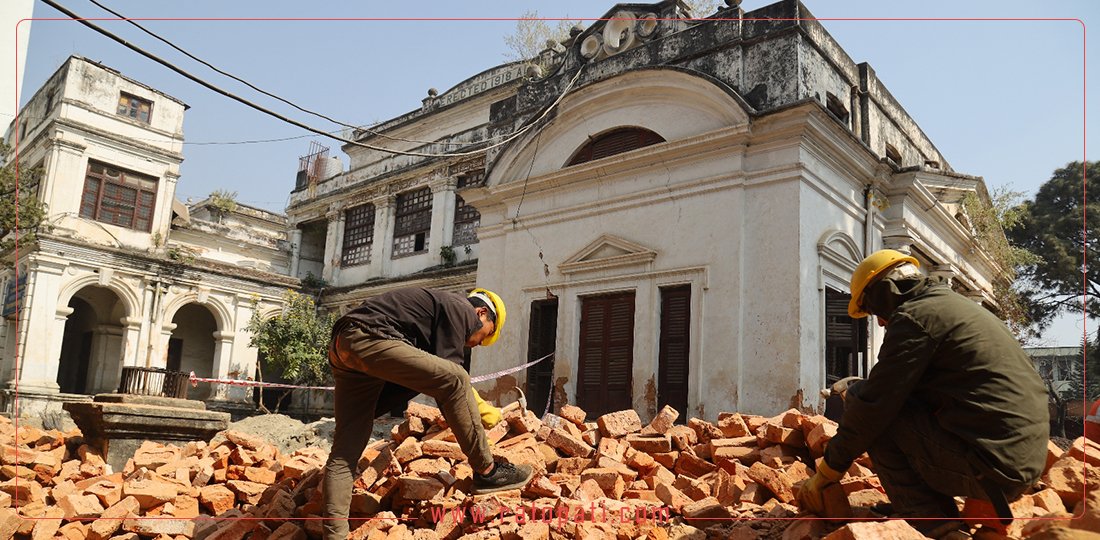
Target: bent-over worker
x: 953, y: 407
x: 389, y: 349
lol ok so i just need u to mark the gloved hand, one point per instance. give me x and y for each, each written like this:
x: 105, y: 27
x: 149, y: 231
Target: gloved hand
x: 490, y: 415
x: 809, y: 495
x: 840, y: 388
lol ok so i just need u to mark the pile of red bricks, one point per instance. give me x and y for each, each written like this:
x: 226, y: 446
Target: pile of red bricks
x: 612, y: 478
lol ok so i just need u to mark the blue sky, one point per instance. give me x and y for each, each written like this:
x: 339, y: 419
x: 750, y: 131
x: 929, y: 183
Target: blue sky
x: 1000, y: 99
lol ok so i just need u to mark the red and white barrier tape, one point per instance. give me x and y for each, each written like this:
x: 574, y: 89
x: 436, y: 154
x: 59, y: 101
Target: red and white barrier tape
x: 503, y: 372
x: 239, y: 382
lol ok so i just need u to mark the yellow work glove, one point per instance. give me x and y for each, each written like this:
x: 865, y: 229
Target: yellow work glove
x: 490, y: 415
x: 809, y: 495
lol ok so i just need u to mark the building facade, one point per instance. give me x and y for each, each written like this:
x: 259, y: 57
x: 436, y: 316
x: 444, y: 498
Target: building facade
x: 122, y: 274
x: 672, y: 207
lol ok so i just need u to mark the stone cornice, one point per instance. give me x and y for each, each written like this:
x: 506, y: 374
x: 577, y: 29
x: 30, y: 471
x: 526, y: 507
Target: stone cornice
x: 168, y: 155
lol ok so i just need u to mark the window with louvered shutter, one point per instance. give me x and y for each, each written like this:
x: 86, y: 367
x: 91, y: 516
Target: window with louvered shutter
x: 845, y: 339
x: 118, y: 197
x: 672, y: 356
x: 606, y: 356
x: 614, y: 142
x: 358, y: 235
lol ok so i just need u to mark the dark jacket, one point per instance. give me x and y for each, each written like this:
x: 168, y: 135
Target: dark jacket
x: 435, y: 321
x: 949, y: 355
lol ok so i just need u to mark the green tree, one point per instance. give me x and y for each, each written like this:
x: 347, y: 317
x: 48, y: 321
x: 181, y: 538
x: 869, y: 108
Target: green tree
x: 989, y: 224
x: 1052, y: 226
x: 296, y: 340
x: 223, y: 202
x: 31, y: 211
x: 1087, y: 386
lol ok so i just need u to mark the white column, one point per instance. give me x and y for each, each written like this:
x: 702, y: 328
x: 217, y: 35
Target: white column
x: 443, y: 215
x: 334, y: 241
x: 898, y: 241
x: 381, y: 250
x: 295, y: 250
x: 105, y: 367
x: 41, y: 331
x: 164, y: 334
x: 163, y: 218
x: 63, y: 185
x: 223, y: 355
x: 244, y: 357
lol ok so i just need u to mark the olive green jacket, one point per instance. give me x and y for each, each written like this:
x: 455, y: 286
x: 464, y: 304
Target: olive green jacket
x: 946, y: 353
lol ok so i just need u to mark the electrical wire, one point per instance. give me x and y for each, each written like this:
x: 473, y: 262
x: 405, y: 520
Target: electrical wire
x: 296, y: 123
x: 252, y: 86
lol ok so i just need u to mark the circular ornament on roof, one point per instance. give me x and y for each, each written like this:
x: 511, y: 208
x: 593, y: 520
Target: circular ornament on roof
x: 647, y: 25
x: 618, y: 33
x: 590, y: 47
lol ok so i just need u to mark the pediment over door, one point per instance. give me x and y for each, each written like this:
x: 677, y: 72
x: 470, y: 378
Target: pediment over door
x: 607, y: 252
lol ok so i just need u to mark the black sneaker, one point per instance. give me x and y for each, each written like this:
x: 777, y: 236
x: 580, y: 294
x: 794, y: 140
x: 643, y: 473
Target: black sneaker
x: 504, y: 476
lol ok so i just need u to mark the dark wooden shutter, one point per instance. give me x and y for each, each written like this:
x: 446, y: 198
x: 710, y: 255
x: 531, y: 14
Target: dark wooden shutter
x: 616, y: 141
x: 845, y: 339
x: 606, y: 357
x: 543, y: 334
x: 672, y: 356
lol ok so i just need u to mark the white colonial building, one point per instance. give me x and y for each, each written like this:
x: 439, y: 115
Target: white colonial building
x: 673, y: 207
x: 122, y: 274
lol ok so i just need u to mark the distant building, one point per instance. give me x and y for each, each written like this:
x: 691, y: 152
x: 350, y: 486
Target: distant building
x: 123, y: 274
x: 1059, y: 366
x: 673, y: 207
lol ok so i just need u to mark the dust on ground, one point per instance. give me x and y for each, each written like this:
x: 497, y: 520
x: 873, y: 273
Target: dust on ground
x: 288, y: 434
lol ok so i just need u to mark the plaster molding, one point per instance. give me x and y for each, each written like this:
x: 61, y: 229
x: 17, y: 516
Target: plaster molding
x: 607, y: 252
x: 840, y: 250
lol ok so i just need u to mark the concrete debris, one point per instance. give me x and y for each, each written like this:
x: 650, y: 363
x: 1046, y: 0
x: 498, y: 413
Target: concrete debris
x: 608, y: 478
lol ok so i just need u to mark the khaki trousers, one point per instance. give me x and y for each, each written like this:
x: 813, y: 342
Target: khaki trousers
x: 361, y: 366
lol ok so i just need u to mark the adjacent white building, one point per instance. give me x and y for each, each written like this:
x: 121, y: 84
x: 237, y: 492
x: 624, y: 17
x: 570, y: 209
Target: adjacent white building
x: 122, y: 274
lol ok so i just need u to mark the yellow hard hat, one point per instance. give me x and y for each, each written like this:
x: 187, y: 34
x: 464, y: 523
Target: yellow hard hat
x: 497, y: 305
x: 875, y: 265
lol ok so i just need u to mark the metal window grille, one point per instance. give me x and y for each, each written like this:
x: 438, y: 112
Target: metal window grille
x: 471, y: 179
x: 358, y: 235
x: 467, y: 220
x: 118, y: 197
x: 412, y: 223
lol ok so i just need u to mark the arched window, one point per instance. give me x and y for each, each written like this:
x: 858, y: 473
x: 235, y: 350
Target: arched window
x: 614, y: 142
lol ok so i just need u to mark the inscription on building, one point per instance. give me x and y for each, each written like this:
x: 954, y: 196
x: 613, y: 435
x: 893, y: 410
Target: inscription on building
x: 480, y: 83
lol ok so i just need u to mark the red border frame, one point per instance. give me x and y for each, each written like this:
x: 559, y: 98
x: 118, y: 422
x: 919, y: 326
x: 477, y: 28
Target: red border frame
x: 18, y: 365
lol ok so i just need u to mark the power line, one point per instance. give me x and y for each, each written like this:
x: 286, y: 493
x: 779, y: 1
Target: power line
x: 296, y: 123
x: 248, y: 84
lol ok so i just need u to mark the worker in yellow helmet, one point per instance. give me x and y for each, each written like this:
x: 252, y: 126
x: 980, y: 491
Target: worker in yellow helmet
x: 399, y: 344
x: 953, y: 407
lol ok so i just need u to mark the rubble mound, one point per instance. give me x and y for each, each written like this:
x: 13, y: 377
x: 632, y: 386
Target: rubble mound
x: 610, y: 478
x: 286, y: 433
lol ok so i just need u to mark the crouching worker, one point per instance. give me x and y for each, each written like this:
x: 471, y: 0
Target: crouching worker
x: 391, y: 348
x: 953, y: 407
